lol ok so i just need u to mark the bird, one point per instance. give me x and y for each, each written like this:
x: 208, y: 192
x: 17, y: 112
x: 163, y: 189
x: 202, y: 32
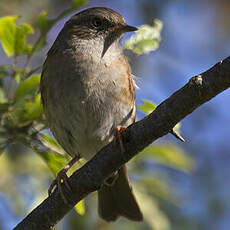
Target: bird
x: 88, y: 95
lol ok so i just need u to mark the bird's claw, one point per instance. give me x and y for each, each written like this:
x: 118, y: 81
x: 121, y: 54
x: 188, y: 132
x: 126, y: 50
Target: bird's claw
x: 61, y: 178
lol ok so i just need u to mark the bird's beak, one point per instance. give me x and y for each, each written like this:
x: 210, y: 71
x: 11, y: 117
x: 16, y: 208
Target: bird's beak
x: 127, y: 28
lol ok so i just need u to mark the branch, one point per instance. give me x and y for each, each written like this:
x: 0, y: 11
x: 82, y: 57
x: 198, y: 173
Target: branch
x: 198, y: 90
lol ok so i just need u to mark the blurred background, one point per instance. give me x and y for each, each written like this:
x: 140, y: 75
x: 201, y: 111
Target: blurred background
x: 188, y: 196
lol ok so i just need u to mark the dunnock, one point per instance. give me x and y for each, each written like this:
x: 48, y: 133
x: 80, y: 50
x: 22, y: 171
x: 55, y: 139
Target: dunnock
x: 88, y: 92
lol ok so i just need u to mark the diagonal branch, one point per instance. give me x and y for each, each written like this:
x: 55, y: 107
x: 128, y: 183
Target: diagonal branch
x: 136, y: 137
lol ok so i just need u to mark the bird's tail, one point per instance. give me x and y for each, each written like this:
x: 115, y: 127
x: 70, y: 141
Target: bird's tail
x: 118, y: 199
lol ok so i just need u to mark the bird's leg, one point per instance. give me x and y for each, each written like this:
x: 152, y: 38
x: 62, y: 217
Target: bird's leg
x: 62, y: 177
x: 117, y: 133
x: 110, y: 181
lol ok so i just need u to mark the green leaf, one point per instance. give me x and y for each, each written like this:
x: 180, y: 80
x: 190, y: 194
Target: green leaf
x: 16, y: 115
x: 34, y: 109
x: 28, y: 87
x: 80, y: 207
x: 3, y: 107
x: 43, y: 23
x: 147, y: 107
x: 13, y: 37
x: 150, y: 207
x: 4, y: 71
x: 78, y: 3
x: 145, y: 39
x: 27, y: 106
x: 169, y: 155
x: 53, y: 159
x: 158, y: 186
x: 20, y: 39
x: 3, y: 98
x: 7, y: 33
x: 17, y: 76
x: 51, y: 144
x: 54, y: 155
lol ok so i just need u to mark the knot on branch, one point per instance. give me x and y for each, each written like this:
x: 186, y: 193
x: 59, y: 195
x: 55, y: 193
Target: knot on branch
x: 196, y: 81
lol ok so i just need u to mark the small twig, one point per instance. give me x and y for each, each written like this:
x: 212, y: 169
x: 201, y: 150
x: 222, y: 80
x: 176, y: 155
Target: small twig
x: 10, y: 91
x: 177, y: 135
x: 28, y: 58
x: 33, y: 71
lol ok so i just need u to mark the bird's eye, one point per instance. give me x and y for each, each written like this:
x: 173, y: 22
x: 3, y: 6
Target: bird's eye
x: 96, y: 22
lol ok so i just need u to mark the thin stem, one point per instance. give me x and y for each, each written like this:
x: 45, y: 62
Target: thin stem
x: 33, y: 71
x: 29, y: 56
x: 10, y: 91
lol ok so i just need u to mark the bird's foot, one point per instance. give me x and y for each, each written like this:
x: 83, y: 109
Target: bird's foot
x: 62, y: 178
x: 110, y: 181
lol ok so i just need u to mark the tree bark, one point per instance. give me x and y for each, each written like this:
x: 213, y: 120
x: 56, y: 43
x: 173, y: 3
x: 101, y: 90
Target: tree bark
x: 136, y: 137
